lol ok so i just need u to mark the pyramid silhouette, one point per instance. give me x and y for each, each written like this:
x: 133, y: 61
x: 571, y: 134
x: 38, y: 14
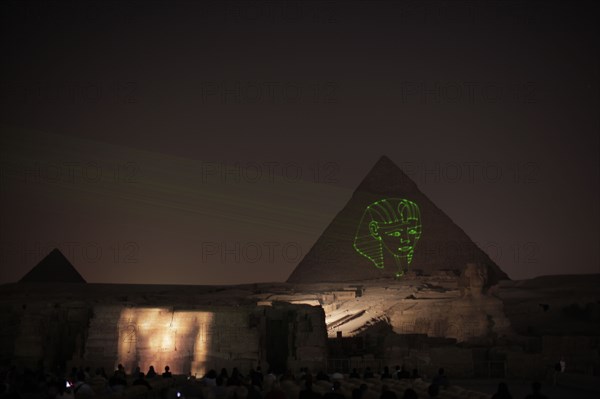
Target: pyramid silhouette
x: 442, y: 244
x: 54, y: 268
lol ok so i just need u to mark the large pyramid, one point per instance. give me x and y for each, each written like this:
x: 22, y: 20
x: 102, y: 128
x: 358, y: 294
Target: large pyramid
x: 344, y: 252
x: 54, y: 268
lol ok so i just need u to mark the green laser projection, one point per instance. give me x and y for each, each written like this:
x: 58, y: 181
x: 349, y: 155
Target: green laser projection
x: 393, y: 224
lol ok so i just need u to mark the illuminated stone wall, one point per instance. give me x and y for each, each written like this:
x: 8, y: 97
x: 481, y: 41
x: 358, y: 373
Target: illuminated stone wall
x: 199, y: 339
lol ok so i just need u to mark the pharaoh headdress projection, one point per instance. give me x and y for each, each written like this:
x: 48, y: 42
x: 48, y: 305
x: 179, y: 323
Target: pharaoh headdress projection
x: 346, y: 250
x: 392, y: 225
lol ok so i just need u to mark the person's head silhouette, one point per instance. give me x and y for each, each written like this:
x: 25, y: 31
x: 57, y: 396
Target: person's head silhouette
x: 393, y: 225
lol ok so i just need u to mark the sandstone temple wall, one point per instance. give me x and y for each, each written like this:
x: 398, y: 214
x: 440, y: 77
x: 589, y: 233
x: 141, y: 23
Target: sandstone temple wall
x: 188, y: 338
x: 191, y: 341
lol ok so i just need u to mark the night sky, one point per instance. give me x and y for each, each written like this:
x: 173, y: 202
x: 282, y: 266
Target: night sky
x: 212, y: 142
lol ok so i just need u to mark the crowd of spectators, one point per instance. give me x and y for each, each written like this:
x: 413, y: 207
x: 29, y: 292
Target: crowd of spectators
x: 82, y: 383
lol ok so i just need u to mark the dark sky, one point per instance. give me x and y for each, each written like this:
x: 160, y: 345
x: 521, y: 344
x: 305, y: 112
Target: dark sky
x: 119, y: 117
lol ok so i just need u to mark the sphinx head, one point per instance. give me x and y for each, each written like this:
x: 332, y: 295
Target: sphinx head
x: 392, y: 225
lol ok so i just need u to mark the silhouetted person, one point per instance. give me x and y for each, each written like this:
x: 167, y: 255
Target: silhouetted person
x: 167, y: 373
x: 354, y: 374
x: 62, y: 391
x: 81, y: 389
x: 224, y: 375
x: 402, y: 373
x: 303, y: 372
x: 433, y: 391
x: 253, y: 390
x: 559, y: 367
x: 287, y: 376
x: 386, y: 393
x: 335, y: 392
x: 99, y: 383
x: 410, y: 394
x: 219, y: 390
x: 235, y: 379
x: 151, y: 373
x: 269, y: 380
x: 256, y: 376
x: 276, y: 392
x: 555, y: 374
x: 239, y: 391
x: 136, y: 372
x: 536, y: 392
x: 117, y: 382
x: 51, y: 389
x: 120, y: 372
x: 321, y: 376
x: 441, y: 379
x: 210, y: 378
x: 368, y: 373
x: 140, y: 380
x: 386, y: 373
x: 359, y: 393
x: 502, y: 392
x: 307, y: 392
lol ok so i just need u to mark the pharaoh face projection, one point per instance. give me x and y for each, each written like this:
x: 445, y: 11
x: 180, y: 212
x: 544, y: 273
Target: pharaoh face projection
x: 393, y: 225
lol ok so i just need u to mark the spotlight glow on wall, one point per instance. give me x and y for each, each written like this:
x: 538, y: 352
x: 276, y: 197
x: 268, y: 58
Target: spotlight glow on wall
x: 162, y: 337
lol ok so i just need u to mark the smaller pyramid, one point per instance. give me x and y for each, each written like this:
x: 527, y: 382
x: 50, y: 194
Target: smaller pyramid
x: 54, y: 268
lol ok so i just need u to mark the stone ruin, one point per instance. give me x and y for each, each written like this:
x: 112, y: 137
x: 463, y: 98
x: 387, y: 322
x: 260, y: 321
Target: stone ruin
x: 187, y: 328
x: 452, y: 307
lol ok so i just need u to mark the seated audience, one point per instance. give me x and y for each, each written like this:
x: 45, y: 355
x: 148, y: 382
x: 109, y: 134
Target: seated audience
x: 502, y: 392
x: 81, y: 389
x: 99, y: 383
x: 307, y: 392
x: 441, y: 379
x: 410, y: 394
x: 140, y: 380
x: 359, y: 393
x: 536, y: 393
x: 386, y: 393
x: 386, y: 373
x: 402, y: 373
x: 335, y: 392
x: 151, y: 373
x: 433, y: 391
